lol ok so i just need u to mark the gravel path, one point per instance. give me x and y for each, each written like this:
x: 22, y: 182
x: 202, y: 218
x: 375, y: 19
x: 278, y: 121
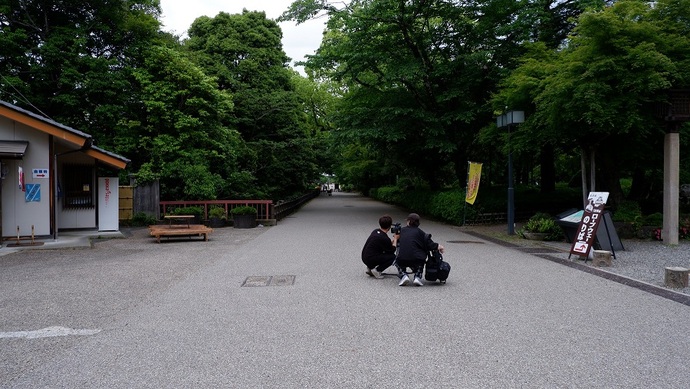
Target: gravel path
x: 641, y: 260
x: 132, y: 313
x: 646, y: 260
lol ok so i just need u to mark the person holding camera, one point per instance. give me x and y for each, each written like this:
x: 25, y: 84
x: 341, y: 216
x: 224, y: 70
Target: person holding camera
x: 414, y: 245
x: 378, y: 252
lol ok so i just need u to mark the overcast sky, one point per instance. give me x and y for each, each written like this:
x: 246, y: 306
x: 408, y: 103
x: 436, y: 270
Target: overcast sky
x: 298, y: 40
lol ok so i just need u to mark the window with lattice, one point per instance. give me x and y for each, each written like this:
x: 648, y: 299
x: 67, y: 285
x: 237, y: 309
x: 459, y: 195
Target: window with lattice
x: 78, y: 186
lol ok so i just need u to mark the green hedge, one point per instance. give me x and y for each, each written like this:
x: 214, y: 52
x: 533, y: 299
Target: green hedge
x: 449, y: 204
x: 192, y: 210
x: 445, y: 205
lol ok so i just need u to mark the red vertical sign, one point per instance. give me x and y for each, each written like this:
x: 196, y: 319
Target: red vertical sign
x: 587, y: 228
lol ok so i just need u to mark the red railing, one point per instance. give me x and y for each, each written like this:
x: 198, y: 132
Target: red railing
x: 264, y: 208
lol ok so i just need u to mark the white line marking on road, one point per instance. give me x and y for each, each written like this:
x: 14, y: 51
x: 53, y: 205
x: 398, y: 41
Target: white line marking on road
x: 48, y: 332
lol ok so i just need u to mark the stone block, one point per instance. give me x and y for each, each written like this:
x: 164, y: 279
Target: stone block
x: 676, y: 277
x: 601, y: 258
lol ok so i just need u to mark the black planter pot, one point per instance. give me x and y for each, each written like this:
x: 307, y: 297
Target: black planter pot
x: 244, y: 221
x: 216, y: 222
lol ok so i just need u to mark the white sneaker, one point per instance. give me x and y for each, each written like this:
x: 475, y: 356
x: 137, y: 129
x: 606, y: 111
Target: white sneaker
x: 418, y: 282
x: 376, y: 273
x: 369, y: 272
x: 405, y: 280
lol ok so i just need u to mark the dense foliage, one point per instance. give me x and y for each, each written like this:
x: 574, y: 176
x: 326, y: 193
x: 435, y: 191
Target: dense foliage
x: 597, y: 94
x: 399, y: 96
x: 424, y: 80
x: 449, y: 204
x: 205, y: 127
x: 418, y: 78
x: 73, y: 60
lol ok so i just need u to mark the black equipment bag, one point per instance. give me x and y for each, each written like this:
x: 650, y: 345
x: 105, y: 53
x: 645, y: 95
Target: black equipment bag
x: 436, y: 268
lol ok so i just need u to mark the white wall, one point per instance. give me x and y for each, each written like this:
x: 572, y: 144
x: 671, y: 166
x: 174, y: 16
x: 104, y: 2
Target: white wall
x: 16, y: 211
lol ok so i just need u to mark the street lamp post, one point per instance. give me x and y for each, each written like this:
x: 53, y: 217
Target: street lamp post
x: 508, y: 120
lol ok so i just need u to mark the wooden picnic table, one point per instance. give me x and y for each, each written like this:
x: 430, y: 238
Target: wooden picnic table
x: 177, y: 230
x: 186, y: 229
x: 184, y: 218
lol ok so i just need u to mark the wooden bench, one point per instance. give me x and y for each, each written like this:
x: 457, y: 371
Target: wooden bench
x: 179, y: 230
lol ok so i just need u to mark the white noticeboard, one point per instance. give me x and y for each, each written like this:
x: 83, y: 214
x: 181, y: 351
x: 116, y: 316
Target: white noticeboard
x: 108, y: 204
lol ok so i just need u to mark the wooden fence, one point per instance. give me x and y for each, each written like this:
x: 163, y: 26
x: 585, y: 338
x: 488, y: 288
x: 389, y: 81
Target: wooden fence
x: 264, y: 208
x: 126, y: 210
x: 145, y: 199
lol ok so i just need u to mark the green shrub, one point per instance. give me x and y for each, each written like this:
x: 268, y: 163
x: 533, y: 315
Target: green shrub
x: 217, y: 212
x: 655, y: 219
x: 388, y: 194
x: 628, y: 212
x: 684, y: 227
x: 545, y: 224
x: 140, y: 219
x: 195, y: 211
x: 418, y: 201
x: 448, y: 205
x: 244, y: 210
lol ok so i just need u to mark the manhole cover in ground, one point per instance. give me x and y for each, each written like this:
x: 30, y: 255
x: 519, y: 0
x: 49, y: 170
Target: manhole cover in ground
x: 269, y: 281
x: 282, y: 280
x: 465, y: 241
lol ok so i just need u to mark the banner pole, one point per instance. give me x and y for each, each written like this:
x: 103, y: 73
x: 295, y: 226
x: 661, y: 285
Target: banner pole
x: 467, y: 185
x: 464, y: 212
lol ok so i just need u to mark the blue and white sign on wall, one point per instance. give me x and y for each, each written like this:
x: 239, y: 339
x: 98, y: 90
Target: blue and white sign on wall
x: 40, y: 173
x: 33, y: 192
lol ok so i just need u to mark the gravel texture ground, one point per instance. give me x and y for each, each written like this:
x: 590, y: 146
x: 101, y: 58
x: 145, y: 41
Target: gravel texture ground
x: 132, y: 313
x: 641, y: 260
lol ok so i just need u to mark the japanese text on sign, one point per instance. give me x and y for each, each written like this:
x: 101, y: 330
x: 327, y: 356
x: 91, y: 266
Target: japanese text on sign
x: 587, y: 228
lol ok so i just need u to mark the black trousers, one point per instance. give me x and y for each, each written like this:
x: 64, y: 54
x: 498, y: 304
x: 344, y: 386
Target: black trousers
x: 381, y: 262
x: 417, y: 267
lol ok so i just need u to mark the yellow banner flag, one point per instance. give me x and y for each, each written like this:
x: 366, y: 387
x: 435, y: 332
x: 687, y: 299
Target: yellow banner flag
x: 474, y: 174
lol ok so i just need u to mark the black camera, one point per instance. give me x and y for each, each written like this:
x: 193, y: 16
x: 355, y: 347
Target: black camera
x: 395, y: 229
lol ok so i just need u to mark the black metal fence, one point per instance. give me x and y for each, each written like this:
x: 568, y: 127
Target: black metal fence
x: 284, y: 208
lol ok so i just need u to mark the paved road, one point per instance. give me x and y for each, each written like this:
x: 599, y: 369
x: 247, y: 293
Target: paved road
x: 136, y: 314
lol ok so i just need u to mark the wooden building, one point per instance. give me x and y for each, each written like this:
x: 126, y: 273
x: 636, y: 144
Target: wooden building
x: 49, y: 177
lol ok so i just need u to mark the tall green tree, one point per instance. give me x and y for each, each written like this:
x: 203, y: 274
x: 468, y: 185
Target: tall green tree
x: 72, y: 60
x: 244, y: 52
x: 178, y: 131
x: 598, y: 93
x: 419, y: 74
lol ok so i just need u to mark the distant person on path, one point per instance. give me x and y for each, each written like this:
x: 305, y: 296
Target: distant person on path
x: 379, y: 251
x: 414, y: 245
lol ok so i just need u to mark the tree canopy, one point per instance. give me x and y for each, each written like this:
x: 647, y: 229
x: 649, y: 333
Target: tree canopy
x: 598, y: 92
x: 72, y: 60
x: 419, y: 75
x: 244, y: 52
x: 398, y: 91
x: 213, y: 116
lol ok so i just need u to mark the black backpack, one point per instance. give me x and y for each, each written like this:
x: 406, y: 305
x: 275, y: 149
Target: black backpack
x: 436, y: 268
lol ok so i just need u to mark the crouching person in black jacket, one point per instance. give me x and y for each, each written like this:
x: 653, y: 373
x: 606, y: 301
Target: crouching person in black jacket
x: 413, y: 247
x: 379, y: 251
